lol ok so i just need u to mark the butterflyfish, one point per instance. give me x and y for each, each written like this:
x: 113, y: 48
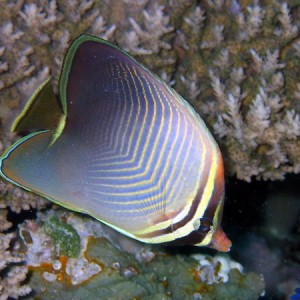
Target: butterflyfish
x: 120, y: 145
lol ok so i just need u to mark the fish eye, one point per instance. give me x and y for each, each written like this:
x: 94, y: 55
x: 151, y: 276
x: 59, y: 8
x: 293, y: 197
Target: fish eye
x: 205, y: 225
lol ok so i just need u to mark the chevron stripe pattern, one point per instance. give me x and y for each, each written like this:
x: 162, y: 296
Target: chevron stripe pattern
x: 132, y: 153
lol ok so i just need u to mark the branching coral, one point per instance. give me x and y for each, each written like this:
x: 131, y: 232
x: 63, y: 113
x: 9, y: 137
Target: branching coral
x: 34, y: 38
x: 149, y: 40
x: 235, y: 60
x: 11, y: 275
x: 17, y: 199
x: 247, y: 84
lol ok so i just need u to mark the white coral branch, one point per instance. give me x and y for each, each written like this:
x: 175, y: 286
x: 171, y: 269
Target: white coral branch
x: 77, y: 9
x: 231, y: 121
x: 218, y: 87
x: 257, y: 60
x: 85, y: 6
x: 10, y: 286
x: 268, y: 64
x: 288, y: 30
x: 9, y: 35
x: 23, y: 64
x: 4, y: 223
x: 251, y: 26
x: 271, y: 62
x: 223, y: 60
x: 34, y: 15
x: 260, y: 111
x: 256, y: 15
x: 237, y: 75
x: 278, y: 156
x: 234, y: 117
x: 195, y: 19
x: 296, y: 46
x: 37, y: 18
x: 216, y: 40
x: 192, y: 85
x: 258, y: 116
x: 5, y: 255
x: 275, y: 103
x: 290, y: 125
x: 148, y: 40
x: 297, y: 92
x: 167, y: 78
x: 100, y: 29
x: 277, y: 82
x: 220, y: 127
x: 3, y: 66
x: 28, y: 86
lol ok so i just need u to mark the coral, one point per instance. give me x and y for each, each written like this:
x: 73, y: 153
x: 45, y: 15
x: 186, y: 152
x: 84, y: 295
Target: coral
x: 56, y: 249
x: 243, y: 76
x: 156, y: 26
x: 17, y: 199
x: 10, y: 285
x: 12, y: 274
x: 236, y: 61
x: 34, y: 38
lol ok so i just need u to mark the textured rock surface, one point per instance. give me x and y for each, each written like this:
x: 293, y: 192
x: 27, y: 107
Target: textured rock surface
x: 112, y: 273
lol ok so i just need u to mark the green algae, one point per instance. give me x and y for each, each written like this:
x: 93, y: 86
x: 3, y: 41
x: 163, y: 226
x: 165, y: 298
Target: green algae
x: 64, y: 235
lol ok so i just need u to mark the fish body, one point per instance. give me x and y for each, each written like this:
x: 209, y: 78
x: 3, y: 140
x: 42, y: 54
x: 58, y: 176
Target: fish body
x: 122, y: 147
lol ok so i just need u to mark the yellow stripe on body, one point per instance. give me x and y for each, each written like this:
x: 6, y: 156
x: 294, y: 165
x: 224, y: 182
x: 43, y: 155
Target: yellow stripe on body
x: 150, y: 189
x: 123, y: 105
x: 146, y: 146
x: 150, y: 161
x: 127, y: 128
x: 204, y: 202
x: 148, y: 165
x: 165, y: 224
x: 143, y: 182
x: 183, y: 213
x: 138, y: 143
x: 187, y: 228
x: 189, y: 200
x: 143, y: 152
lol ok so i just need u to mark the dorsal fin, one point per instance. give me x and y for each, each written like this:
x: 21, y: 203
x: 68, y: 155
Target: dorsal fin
x: 42, y: 111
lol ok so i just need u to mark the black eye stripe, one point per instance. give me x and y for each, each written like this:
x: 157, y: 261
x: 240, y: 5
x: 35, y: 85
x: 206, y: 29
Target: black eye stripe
x: 205, y: 225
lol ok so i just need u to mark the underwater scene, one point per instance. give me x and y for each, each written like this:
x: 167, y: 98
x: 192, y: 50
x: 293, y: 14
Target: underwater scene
x: 150, y: 149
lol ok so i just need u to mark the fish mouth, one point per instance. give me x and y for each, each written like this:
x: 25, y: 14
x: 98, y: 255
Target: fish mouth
x: 220, y: 241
